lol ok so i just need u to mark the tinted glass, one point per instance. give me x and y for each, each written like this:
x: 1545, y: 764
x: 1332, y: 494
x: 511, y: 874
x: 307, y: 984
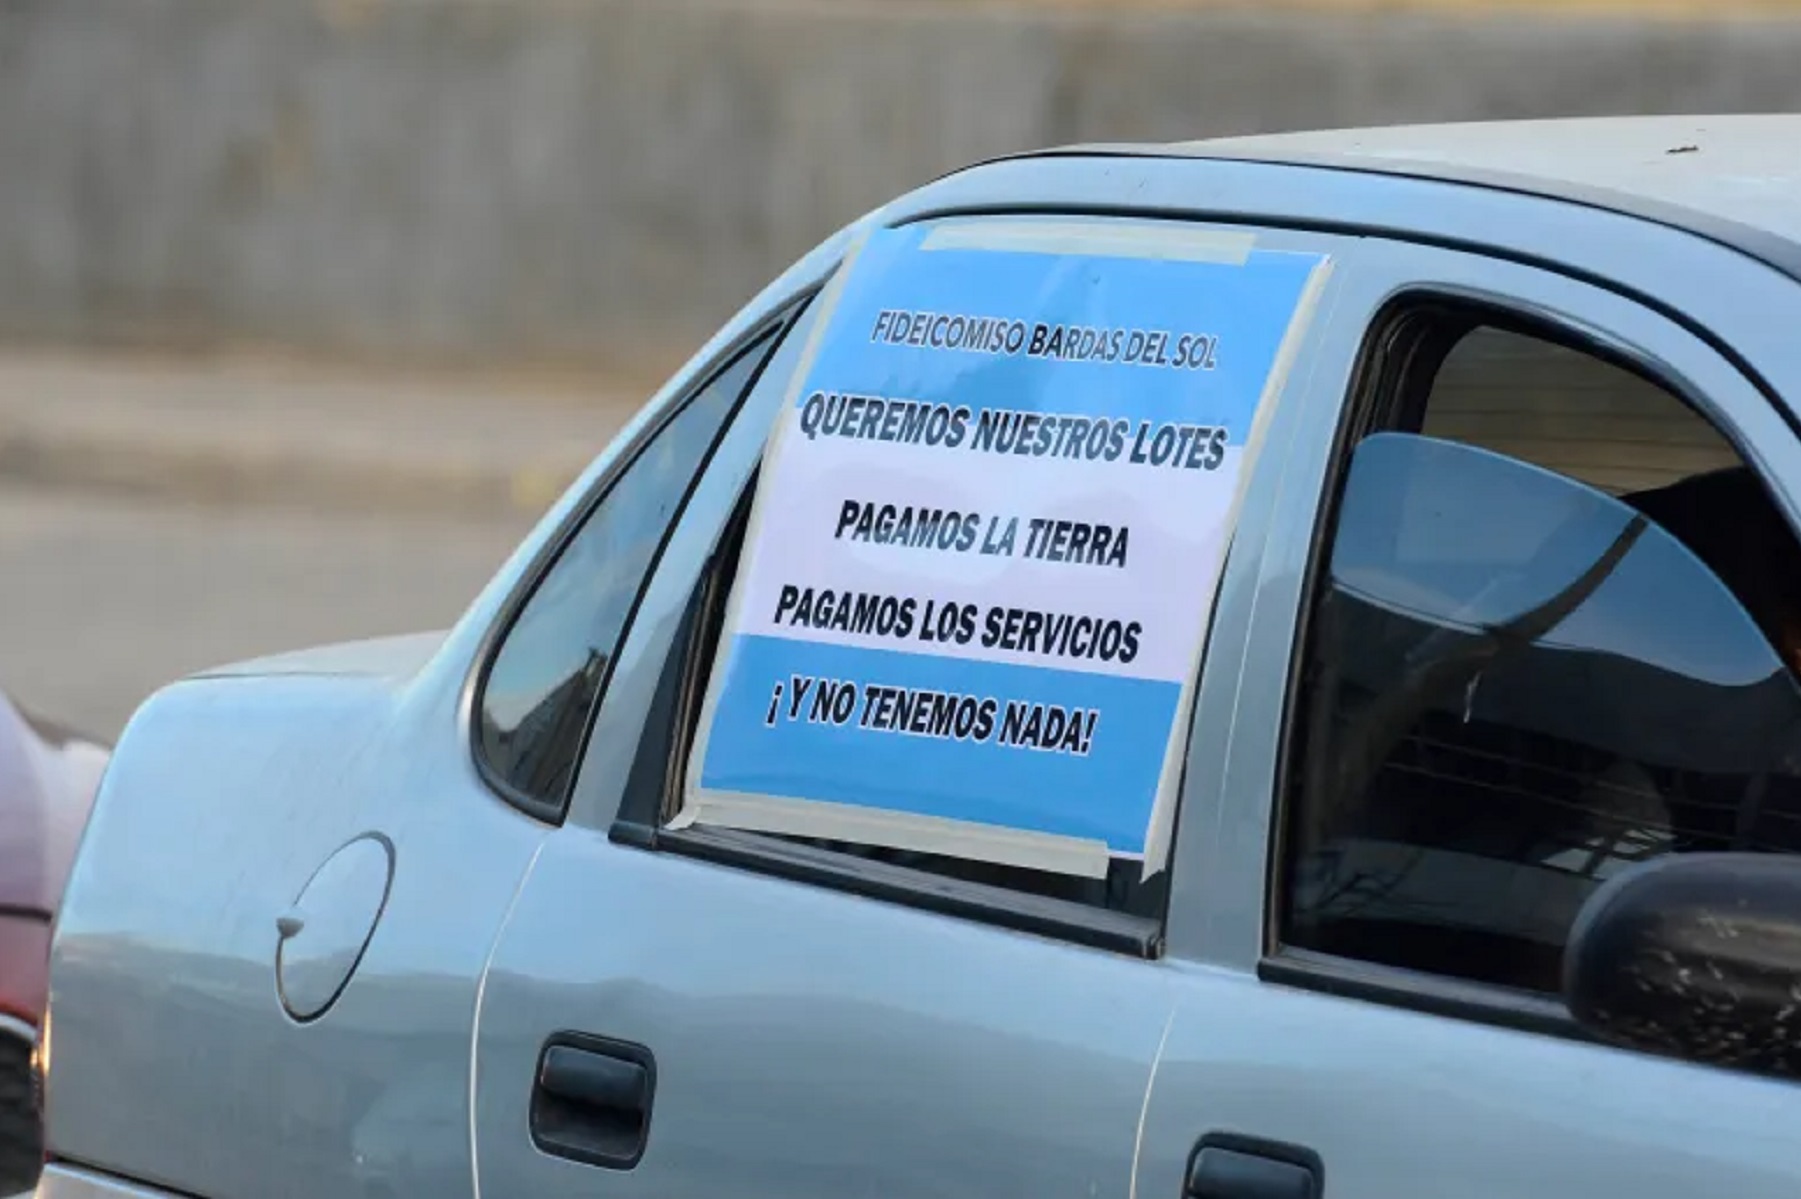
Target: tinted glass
x: 1516, y: 685
x: 547, y: 675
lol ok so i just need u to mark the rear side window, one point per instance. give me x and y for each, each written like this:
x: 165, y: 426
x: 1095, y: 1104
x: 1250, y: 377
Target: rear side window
x: 949, y: 650
x: 536, y: 700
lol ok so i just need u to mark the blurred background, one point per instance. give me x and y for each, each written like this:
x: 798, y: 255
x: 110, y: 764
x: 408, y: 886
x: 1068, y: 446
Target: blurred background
x: 308, y: 307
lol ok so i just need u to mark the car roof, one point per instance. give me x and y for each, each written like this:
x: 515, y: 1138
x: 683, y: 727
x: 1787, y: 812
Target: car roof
x: 1712, y: 174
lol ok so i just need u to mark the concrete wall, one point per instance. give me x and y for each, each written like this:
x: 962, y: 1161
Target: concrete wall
x: 541, y: 180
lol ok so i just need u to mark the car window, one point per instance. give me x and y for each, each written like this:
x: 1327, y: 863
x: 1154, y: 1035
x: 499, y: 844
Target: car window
x: 548, y: 672
x: 947, y: 652
x: 1569, y: 411
x: 1552, y: 635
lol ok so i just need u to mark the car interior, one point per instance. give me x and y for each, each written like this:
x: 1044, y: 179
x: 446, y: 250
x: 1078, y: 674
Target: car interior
x: 1476, y: 842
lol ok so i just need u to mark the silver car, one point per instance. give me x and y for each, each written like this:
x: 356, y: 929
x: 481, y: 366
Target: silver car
x: 1409, y: 811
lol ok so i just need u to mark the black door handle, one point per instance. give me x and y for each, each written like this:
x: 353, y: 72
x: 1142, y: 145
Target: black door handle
x: 1227, y: 1166
x: 591, y: 1100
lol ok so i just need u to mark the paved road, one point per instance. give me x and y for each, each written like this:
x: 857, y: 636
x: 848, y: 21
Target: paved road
x: 103, y: 599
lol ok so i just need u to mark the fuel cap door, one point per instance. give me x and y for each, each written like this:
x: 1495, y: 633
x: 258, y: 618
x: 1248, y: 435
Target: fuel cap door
x: 321, y: 938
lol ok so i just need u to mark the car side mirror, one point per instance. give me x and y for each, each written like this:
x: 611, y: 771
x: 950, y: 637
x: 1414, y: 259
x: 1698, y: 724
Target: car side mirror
x: 1696, y: 956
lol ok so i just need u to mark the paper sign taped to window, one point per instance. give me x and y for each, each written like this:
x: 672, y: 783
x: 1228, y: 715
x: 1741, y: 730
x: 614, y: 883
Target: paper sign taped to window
x: 987, y: 535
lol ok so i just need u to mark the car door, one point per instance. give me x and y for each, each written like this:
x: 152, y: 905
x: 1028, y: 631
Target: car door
x: 686, y: 1010
x: 1370, y: 951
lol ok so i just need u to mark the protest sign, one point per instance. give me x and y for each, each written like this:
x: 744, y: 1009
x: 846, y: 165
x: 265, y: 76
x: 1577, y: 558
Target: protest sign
x: 987, y: 536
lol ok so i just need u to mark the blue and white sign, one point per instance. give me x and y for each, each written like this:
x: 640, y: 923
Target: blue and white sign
x: 987, y: 536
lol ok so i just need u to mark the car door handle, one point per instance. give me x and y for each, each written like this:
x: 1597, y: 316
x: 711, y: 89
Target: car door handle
x: 1226, y: 1166
x: 591, y: 1100
x: 592, y: 1080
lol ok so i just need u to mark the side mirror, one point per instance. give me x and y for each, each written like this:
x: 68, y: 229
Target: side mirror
x: 1697, y: 956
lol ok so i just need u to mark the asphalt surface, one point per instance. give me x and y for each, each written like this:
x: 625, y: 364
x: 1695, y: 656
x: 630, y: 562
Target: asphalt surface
x: 103, y: 598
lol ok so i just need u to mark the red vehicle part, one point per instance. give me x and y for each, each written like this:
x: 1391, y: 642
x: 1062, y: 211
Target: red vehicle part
x: 48, y: 777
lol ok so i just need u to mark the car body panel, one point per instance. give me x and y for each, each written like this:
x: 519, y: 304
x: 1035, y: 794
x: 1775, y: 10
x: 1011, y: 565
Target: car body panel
x: 1401, y: 1103
x: 395, y: 657
x: 811, y: 1045
x: 164, y: 997
x: 48, y: 777
x: 25, y: 954
x: 1744, y: 169
x: 812, y: 1042
x: 47, y: 781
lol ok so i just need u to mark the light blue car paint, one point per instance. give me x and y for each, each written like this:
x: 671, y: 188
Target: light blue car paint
x: 812, y: 1044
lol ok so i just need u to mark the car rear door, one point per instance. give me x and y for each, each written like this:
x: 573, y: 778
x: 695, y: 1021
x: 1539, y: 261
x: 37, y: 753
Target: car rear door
x: 676, y: 1008
x: 1378, y: 1013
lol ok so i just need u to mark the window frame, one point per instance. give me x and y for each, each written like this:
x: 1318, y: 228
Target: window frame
x: 1511, y: 297
x: 774, y: 328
